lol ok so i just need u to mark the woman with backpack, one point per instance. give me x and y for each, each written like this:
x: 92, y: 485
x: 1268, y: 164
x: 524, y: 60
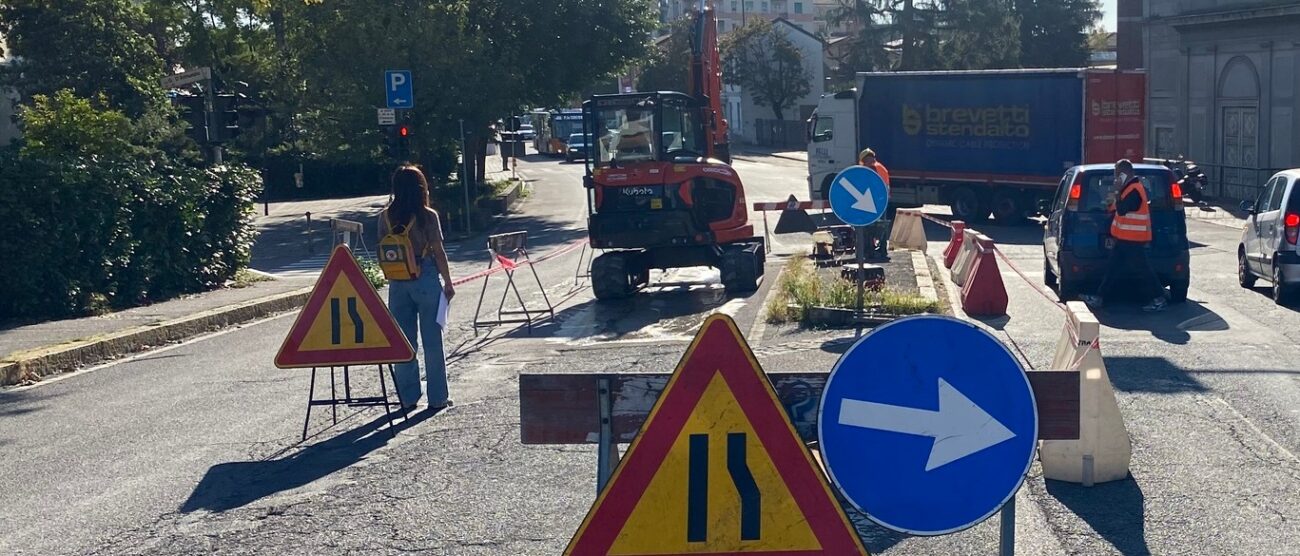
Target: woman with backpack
x: 412, y: 256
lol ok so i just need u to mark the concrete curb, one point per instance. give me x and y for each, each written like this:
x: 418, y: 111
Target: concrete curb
x: 34, y: 364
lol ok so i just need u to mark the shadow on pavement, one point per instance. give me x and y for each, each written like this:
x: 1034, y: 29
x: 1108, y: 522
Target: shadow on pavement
x: 233, y: 485
x: 658, y: 311
x: 1170, y: 326
x: 1115, y: 510
x: 22, y: 403
x: 1152, y: 375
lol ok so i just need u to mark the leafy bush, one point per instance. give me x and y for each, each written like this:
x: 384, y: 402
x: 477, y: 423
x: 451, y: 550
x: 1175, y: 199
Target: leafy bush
x: 96, y: 225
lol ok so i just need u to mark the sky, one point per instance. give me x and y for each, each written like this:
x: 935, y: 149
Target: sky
x: 1108, y: 19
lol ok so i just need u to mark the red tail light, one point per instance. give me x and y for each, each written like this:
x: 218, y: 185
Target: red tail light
x: 1076, y: 193
x: 1292, y: 223
x: 1176, y: 191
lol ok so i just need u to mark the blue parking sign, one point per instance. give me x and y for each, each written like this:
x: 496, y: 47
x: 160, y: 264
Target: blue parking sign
x: 398, y: 90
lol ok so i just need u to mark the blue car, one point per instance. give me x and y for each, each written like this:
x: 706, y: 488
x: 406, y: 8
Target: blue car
x: 1076, y: 238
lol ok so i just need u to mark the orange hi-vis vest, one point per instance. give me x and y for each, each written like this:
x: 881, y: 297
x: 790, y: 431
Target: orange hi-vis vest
x: 1135, y: 226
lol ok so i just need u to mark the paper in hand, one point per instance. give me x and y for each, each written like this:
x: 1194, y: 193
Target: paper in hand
x: 443, y: 306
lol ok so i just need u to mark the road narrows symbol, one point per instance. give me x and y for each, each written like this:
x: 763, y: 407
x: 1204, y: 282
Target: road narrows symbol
x: 336, y: 336
x: 750, y: 498
x: 697, y: 494
x: 336, y: 322
x: 697, y: 485
x: 359, y: 327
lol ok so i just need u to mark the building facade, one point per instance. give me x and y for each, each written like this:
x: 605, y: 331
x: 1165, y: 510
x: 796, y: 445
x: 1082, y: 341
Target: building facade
x: 732, y: 14
x: 1223, y: 77
x: 753, y: 123
x: 8, y: 124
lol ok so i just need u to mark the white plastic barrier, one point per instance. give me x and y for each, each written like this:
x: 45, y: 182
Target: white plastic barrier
x: 1103, y: 450
x: 908, y: 233
x: 965, y: 258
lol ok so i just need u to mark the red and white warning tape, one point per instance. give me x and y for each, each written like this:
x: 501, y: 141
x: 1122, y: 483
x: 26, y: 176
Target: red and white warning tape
x: 787, y: 205
x: 570, y: 247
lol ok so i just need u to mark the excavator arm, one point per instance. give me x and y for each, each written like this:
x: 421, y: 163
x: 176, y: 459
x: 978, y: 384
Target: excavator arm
x: 705, y: 81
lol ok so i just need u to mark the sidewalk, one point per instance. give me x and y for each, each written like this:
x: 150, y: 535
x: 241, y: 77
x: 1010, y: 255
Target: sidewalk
x: 1223, y: 216
x: 756, y: 150
x: 30, y: 352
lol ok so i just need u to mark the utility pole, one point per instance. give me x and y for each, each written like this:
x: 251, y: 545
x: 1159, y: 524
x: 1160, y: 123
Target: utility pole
x: 464, y: 172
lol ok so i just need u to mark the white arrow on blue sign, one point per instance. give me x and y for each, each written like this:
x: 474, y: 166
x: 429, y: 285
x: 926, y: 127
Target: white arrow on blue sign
x: 398, y: 89
x: 859, y: 196
x: 928, y: 425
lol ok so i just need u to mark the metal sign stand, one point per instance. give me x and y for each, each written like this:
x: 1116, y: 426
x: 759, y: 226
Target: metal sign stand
x: 1007, y: 535
x: 365, y: 401
x: 860, y: 276
x: 510, y: 250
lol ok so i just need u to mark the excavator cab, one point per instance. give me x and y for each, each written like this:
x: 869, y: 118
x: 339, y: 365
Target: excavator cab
x: 648, y: 127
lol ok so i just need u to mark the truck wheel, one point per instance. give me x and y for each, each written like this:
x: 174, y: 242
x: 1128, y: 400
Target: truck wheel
x: 826, y: 187
x: 609, y: 276
x: 741, y: 268
x: 1009, y: 207
x: 968, y: 206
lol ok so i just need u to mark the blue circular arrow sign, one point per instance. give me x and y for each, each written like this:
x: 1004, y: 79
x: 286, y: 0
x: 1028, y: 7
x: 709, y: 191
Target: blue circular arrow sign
x: 858, y: 196
x: 928, y: 425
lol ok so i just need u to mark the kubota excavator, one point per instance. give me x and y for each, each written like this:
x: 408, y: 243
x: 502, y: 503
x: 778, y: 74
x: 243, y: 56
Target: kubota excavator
x: 661, y: 189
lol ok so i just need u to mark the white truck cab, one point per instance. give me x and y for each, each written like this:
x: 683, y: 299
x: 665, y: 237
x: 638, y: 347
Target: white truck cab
x: 832, y: 141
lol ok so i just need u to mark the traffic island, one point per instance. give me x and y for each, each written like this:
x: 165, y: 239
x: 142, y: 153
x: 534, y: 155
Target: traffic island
x: 820, y: 296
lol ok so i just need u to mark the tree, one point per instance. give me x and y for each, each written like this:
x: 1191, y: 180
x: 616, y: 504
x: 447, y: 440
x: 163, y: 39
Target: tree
x: 92, y: 47
x: 1054, y: 33
x: 767, y: 64
x: 667, y: 66
x: 980, y: 34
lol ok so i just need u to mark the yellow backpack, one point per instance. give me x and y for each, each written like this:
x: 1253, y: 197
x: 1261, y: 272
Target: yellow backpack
x: 396, y: 255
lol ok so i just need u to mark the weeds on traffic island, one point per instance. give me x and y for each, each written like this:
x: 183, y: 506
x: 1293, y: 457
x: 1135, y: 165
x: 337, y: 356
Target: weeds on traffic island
x: 801, y: 288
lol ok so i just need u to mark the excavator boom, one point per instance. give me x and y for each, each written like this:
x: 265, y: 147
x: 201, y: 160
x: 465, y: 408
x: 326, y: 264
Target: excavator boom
x: 705, y: 80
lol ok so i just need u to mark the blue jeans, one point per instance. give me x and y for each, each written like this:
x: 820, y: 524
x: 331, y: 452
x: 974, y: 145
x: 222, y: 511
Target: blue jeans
x: 415, y: 302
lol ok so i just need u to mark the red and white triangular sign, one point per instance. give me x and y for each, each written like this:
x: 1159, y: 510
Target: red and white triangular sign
x: 717, y: 469
x: 343, y: 323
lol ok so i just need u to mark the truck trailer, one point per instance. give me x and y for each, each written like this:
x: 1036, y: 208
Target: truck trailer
x: 981, y: 142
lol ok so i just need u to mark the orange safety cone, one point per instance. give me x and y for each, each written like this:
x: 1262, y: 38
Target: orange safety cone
x: 984, y: 294
x: 954, y: 243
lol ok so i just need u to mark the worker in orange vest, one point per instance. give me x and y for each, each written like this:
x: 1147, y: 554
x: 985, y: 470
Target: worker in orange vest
x: 878, y: 232
x: 1131, y: 230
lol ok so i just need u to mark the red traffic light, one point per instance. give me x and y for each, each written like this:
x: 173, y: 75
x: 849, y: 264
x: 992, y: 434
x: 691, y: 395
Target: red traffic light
x: 404, y: 131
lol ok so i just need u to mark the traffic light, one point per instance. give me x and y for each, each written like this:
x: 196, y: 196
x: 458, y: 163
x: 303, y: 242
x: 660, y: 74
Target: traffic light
x: 226, y: 115
x: 399, y: 139
x: 192, y: 111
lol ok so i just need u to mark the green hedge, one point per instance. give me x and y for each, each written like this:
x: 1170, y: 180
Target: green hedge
x: 81, y: 235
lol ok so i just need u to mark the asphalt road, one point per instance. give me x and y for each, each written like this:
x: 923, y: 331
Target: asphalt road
x: 194, y: 449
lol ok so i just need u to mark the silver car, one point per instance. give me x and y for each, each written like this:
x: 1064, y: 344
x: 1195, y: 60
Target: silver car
x: 1268, y: 247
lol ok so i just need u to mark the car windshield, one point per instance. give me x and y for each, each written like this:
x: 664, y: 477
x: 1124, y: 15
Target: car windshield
x: 1098, y: 182
x: 577, y: 139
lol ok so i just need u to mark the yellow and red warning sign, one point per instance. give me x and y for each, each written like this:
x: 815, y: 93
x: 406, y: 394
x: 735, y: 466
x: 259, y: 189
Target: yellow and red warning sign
x: 343, y: 323
x: 717, y: 469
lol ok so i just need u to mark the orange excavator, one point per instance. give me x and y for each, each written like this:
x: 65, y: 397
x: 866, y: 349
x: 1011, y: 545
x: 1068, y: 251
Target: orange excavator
x: 661, y: 190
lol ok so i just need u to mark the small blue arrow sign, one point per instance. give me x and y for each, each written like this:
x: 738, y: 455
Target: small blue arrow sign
x: 928, y: 425
x: 398, y: 89
x: 858, y: 196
